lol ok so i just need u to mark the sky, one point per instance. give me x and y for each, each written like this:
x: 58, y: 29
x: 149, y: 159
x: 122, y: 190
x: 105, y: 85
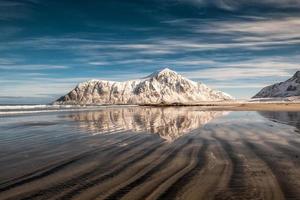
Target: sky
x: 237, y: 46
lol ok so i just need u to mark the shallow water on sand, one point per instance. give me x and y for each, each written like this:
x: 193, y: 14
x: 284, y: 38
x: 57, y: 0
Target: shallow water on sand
x: 150, y: 153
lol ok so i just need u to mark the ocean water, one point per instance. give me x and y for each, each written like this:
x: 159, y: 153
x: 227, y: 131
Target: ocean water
x: 121, y: 152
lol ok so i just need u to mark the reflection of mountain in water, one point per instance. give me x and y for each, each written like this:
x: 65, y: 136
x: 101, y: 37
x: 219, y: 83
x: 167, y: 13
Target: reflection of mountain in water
x: 290, y: 118
x: 169, y: 122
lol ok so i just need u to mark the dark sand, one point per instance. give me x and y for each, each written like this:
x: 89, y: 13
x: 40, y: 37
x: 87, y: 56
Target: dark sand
x: 151, y: 153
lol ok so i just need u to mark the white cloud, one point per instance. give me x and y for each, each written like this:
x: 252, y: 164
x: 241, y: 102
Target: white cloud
x: 262, y: 30
x: 98, y: 63
x: 255, y: 73
x: 231, y: 73
x: 233, y: 85
x: 234, y: 5
x: 31, y: 67
x: 200, y: 62
x: 39, y: 85
x: 261, y: 33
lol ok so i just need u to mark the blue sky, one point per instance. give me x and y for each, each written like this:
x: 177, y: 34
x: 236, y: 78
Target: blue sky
x: 47, y: 47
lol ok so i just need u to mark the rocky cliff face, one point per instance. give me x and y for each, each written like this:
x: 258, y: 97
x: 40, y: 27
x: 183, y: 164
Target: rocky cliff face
x: 289, y: 88
x: 162, y: 87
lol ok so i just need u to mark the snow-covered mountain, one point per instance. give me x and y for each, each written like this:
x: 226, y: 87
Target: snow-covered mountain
x: 289, y: 88
x: 161, y: 87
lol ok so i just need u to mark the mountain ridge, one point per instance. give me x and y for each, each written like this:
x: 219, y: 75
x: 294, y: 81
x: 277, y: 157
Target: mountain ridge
x: 288, y: 88
x: 160, y: 87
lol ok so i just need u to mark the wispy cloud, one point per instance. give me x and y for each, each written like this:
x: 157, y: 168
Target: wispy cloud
x: 231, y: 73
x: 31, y: 67
x: 14, y: 9
x: 256, y: 68
x: 40, y: 85
x: 235, y: 5
x: 272, y: 30
x: 251, y: 34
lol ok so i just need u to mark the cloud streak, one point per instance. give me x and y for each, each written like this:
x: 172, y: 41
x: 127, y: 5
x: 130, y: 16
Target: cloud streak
x: 31, y: 67
x: 233, y: 5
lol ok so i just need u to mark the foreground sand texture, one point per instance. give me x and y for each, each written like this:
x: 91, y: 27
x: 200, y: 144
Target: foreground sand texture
x: 127, y: 154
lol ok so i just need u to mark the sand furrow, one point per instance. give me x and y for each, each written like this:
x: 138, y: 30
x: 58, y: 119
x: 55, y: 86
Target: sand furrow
x: 93, y: 181
x: 184, y: 162
x: 48, y: 170
x: 31, y: 192
x: 172, y: 187
x: 143, y: 175
x: 283, y: 169
x: 251, y: 178
x: 212, y: 178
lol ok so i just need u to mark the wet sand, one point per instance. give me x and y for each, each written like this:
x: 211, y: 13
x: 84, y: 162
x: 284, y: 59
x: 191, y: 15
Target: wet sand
x: 241, y: 106
x: 151, y: 153
x: 262, y: 106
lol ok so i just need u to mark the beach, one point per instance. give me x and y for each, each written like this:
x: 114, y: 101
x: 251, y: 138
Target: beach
x: 152, y: 153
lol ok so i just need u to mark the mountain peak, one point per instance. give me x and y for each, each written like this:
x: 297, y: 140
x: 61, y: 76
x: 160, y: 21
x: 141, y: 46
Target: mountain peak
x: 163, y: 72
x: 297, y: 74
x: 166, y: 70
x: 161, y: 87
x: 288, y: 88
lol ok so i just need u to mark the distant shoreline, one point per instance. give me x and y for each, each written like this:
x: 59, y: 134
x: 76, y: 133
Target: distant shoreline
x: 228, y: 105
x: 204, y: 106
x: 276, y: 106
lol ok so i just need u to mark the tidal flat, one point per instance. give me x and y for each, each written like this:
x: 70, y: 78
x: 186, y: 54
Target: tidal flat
x: 151, y: 153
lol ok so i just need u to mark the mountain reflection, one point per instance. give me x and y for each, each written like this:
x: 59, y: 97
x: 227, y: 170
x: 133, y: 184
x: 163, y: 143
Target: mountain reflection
x: 290, y: 118
x: 168, y: 122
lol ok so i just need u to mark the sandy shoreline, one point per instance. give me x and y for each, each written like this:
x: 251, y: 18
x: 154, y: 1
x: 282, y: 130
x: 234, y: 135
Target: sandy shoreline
x: 240, y: 106
x: 209, y: 106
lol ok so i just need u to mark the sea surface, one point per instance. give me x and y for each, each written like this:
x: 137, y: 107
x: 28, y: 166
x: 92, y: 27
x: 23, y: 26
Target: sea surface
x: 121, y: 152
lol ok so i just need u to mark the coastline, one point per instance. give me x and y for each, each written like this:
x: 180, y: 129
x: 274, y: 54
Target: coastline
x: 204, y: 106
x: 241, y: 106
